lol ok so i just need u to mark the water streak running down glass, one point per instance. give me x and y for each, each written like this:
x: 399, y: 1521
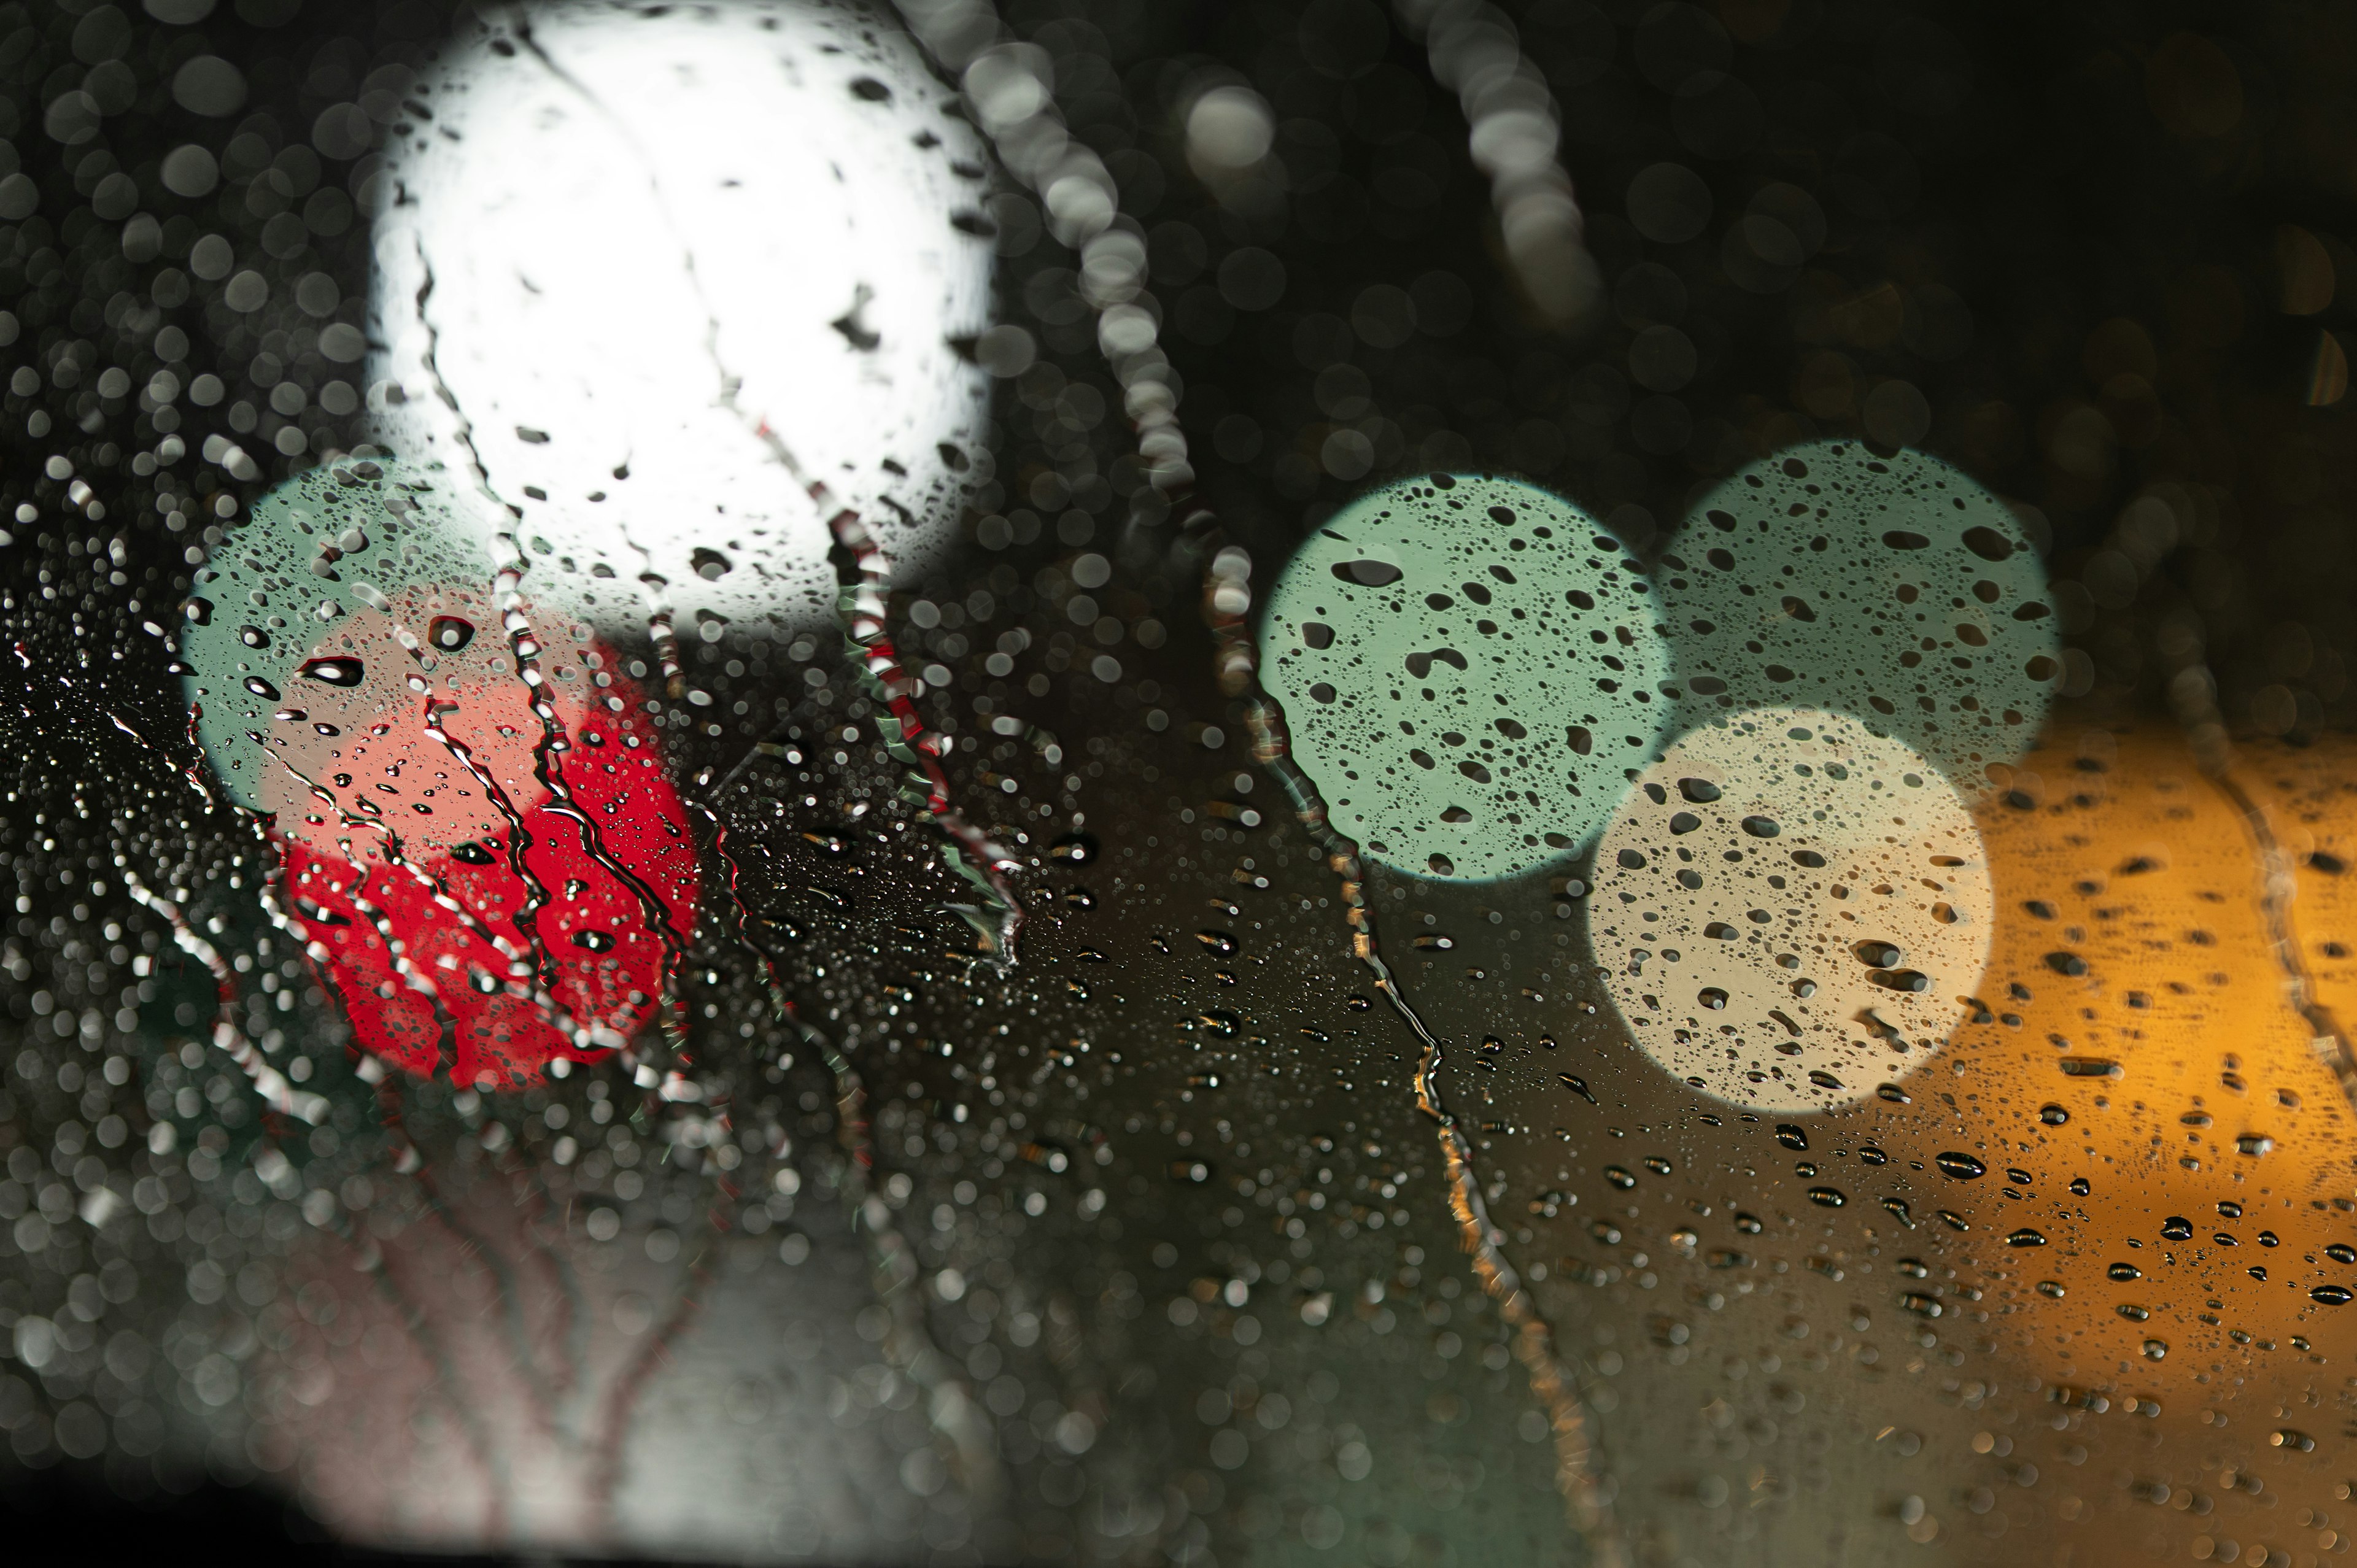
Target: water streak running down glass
x: 1073, y: 782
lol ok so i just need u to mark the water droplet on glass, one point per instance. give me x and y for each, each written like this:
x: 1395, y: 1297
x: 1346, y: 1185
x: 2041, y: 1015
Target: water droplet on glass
x: 1828, y: 1196
x: 595, y: 941
x: 449, y: 634
x: 261, y: 688
x: 338, y: 669
x: 1960, y: 1165
x: 2053, y: 1115
x: 1073, y: 849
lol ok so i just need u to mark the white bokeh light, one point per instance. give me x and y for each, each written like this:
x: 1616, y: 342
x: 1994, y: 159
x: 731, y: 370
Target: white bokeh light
x: 625, y: 240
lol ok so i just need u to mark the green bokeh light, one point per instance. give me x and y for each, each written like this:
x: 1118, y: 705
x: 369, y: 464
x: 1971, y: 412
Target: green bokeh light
x: 1894, y: 588
x: 315, y: 550
x: 1471, y: 667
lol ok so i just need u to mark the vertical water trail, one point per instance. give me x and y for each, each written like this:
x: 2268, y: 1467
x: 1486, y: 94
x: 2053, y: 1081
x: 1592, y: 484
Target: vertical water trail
x: 524, y: 649
x: 282, y: 1098
x: 509, y: 563
x: 1228, y: 607
x: 539, y: 996
x: 2278, y: 883
x: 193, y: 770
x: 416, y: 979
x: 446, y: 1024
x: 184, y: 935
x: 973, y: 853
x: 2194, y: 693
x: 549, y: 770
x: 540, y: 966
x: 520, y: 838
x: 663, y: 630
x: 1017, y: 111
x: 270, y: 1083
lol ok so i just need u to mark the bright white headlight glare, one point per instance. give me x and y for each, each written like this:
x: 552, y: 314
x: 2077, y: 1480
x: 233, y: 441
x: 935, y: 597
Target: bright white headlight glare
x: 624, y: 242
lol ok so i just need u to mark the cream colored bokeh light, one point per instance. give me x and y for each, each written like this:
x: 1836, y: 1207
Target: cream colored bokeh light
x: 1791, y: 910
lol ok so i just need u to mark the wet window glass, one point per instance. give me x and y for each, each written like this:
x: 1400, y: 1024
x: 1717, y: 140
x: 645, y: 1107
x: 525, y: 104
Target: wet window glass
x: 1002, y: 782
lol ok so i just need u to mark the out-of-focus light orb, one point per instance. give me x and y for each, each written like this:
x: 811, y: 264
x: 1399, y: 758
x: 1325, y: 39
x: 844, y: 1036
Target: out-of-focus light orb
x: 1891, y: 586
x: 624, y: 240
x: 1469, y: 667
x: 1229, y: 131
x: 1791, y: 909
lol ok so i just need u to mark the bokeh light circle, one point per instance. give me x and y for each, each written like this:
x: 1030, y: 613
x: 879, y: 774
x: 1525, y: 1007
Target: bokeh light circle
x: 1891, y: 586
x: 1790, y: 909
x: 1471, y: 667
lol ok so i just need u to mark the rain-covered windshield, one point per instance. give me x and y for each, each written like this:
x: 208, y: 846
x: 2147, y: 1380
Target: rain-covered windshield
x: 1002, y: 781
